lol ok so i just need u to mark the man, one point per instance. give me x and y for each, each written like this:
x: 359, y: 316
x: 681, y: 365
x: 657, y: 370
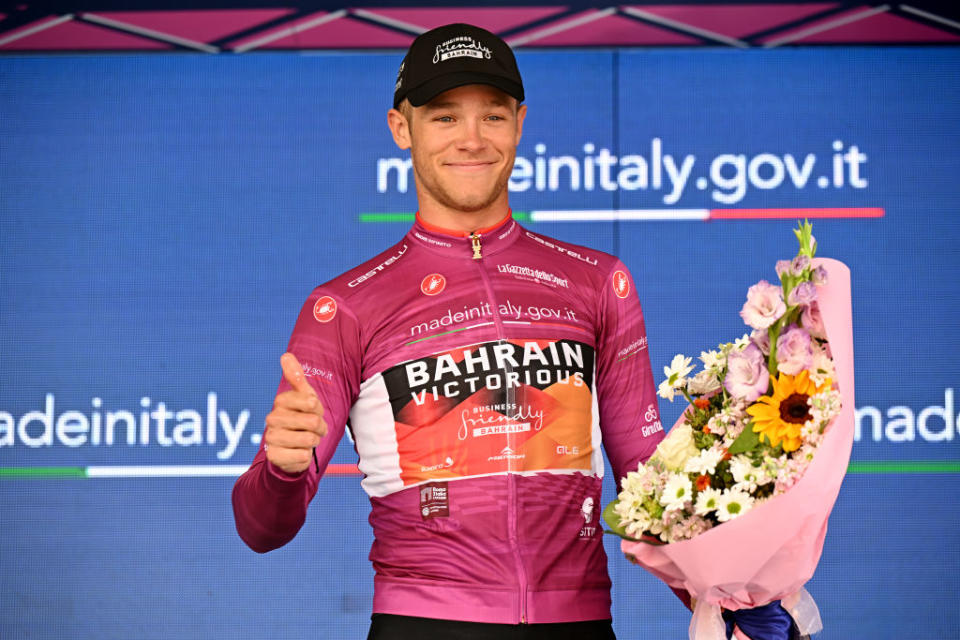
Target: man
x: 481, y: 366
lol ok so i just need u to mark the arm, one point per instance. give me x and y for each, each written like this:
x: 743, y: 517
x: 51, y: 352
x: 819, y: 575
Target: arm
x: 629, y: 414
x: 321, y: 373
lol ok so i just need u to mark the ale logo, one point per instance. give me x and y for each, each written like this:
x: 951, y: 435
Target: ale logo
x: 325, y: 309
x: 433, y: 284
x: 621, y: 284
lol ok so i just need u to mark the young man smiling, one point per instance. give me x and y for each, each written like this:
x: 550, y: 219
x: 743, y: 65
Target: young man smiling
x: 481, y: 367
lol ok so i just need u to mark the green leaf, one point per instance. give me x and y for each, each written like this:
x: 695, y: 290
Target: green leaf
x: 746, y: 441
x: 613, y: 521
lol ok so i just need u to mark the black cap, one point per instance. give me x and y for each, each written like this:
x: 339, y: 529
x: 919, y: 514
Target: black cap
x: 452, y: 56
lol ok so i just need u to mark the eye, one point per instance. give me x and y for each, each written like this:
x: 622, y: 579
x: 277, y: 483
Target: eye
x: 443, y: 119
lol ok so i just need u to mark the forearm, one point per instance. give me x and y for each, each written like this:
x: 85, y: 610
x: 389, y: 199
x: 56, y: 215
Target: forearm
x: 269, y: 507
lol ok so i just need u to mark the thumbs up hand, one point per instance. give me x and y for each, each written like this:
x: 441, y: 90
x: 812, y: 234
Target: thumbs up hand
x: 295, y: 425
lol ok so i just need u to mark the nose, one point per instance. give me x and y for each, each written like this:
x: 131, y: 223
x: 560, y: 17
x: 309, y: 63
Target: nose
x: 471, y: 137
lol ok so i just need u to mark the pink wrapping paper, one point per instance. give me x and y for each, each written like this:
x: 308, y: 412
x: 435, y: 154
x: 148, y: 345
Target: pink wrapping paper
x: 772, y: 551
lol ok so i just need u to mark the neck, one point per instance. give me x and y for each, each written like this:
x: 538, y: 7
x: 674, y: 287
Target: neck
x: 459, y: 231
x: 437, y: 215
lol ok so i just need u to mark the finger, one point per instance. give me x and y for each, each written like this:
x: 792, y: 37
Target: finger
x: 290, y: 460
x: 298, y: 401
x: 293, y: 373
x: 281, y: 418
x: 289, y: 439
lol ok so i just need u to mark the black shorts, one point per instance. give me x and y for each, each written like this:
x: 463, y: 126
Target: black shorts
x: 384, y: 626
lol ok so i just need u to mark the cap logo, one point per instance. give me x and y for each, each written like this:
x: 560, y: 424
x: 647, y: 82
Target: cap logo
x: 460, y: 47
x: 400, y: 76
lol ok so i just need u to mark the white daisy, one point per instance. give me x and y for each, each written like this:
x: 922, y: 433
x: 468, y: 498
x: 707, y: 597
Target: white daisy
x: 745, y: 474
x: 733, y: 504
x: 706, y: 462
x: 677, y: 492
x: 678, y: 370
x: 707, y: 500
x: 713, y: 360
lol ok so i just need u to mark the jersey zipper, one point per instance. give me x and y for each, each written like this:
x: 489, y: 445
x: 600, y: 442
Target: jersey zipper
x: 510, y: 400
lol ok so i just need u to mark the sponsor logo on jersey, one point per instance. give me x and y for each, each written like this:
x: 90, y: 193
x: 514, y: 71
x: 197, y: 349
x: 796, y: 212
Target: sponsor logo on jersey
x: 434, y: 500
x: 652, y: 419
x: 621, y: 284
x: 377, y: 269
x: 433, y: 284
x: 325, y: 309
x: 587, y: 531
x: 537, y: 275
x: 586, y: 509
x: 494, y: 407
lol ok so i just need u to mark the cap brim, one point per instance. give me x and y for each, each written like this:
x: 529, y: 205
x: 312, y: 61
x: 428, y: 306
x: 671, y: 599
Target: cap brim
x: 421, y: 95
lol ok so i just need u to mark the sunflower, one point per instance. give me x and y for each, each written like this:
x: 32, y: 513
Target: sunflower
x: 780, y: 416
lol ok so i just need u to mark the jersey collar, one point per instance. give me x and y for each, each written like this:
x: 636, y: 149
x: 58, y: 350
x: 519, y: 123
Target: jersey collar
x: 493, y: 239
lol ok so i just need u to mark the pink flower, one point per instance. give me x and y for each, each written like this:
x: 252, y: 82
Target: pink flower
x: 812, y: 321
x: 761, y: 338
x: 794, y: 353
x: 764, y: 305
x: 747, y: 376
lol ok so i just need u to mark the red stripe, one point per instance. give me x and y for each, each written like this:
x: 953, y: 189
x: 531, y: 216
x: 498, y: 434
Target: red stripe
x: 773, y: 214
x: 340, y: 469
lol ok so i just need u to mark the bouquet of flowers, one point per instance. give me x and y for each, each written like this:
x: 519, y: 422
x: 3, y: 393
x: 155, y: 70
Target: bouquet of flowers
x: 761, y: 448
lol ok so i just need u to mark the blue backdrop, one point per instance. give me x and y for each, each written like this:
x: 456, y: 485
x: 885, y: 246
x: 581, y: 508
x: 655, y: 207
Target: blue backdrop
x: 162, y: 219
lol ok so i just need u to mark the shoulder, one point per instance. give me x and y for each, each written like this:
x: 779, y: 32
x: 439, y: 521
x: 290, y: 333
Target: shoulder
x: 592, y: 262
x: 380, y: 268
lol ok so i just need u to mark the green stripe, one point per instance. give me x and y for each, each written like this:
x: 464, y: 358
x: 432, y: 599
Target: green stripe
x: 437, y: 335
x: 43, y: 472
x: 519, y: 216
x: 896, y: 466
x: 386, y: 217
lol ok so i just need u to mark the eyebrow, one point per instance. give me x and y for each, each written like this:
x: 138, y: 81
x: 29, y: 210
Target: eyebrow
x: 435, y: 106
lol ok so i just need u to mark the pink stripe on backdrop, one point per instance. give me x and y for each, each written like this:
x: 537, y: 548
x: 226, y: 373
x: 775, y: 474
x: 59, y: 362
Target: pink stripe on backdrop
x: 74, y: 35
x: 883, y: 27
x: 496, y: 20
x: 612, y: 30
x: 201, y: 26
x: 341, y: 33
x: 780, y: 214
x: 736, y: 20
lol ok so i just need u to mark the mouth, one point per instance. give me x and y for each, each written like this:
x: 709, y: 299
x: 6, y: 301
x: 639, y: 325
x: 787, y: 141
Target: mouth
x: 469, y: 165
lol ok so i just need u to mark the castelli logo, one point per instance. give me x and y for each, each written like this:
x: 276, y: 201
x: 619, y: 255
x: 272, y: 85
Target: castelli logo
x: 325, y: 309
x: 433, y: 284
x: 621, y: 284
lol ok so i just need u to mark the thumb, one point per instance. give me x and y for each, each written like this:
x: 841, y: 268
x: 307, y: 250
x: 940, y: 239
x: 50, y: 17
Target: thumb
x: 293, y: 373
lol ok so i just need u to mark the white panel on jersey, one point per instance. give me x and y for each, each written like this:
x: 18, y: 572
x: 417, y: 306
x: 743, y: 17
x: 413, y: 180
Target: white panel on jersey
x: 371, y: 419
x: 595, y: 434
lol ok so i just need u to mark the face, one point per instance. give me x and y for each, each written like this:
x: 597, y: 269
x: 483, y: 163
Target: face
x: 463, y: 144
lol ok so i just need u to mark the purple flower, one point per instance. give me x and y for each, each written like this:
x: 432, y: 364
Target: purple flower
x: 761, y: 338
x: 747, y: 376
x: 819, y: 276
x: 798, y: 265
x: 803, y: 293
x: 764, y: 305
x: 794, y: 353
x: 783, y: 268
x: 812, y: 321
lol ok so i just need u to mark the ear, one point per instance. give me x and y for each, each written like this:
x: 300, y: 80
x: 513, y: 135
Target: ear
x: 521, y: 114
x: 399, y: 127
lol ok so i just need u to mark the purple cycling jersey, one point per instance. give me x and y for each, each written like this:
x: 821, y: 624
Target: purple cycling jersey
x: 478, y: 376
